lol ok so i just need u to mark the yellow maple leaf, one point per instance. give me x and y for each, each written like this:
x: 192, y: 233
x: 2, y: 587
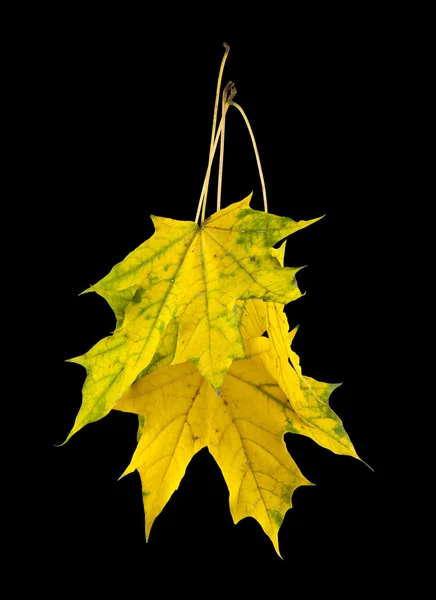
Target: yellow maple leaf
x: 193, y: 274
x: 243, y: 426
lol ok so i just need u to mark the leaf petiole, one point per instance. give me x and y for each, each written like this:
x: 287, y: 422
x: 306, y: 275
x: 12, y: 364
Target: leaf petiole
x: 229, y: 92
x: 212, y: 140
x: 207, y: 177
x: 247, y: 122
x: 227, y: 100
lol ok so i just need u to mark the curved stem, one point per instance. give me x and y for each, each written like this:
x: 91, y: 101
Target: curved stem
x: 228, y: 93
x: 262, y: 181
x: 215, y: 114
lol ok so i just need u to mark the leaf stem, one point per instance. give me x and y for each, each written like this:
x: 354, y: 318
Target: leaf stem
x: 215, y: 115
x: 228, y: 93
x: 209, y: 167
x: 231, y: 103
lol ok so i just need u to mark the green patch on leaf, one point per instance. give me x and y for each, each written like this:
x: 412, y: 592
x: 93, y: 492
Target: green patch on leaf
x: 276, y: 516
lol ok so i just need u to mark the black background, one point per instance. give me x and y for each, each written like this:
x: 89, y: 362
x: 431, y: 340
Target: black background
x: 119, y: 119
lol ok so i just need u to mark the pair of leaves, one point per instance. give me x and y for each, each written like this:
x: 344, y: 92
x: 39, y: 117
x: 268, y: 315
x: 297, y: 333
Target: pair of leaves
x: 193, y: 274
x: 189, y: 358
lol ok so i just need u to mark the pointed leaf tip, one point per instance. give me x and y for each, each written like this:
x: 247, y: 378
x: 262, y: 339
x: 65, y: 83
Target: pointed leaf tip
x: 77, y: 360
x: 69, y: 436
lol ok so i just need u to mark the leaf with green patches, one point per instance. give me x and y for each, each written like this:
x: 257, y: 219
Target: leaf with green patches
x: 192, y: 276
x: 242, y: 426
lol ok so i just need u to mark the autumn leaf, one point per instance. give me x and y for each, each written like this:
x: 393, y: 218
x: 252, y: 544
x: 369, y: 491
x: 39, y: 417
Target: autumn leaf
x: 242, y: 425
x: 193, y: 274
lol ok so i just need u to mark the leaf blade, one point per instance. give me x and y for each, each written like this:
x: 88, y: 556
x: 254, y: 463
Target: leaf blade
x: 243, y: 427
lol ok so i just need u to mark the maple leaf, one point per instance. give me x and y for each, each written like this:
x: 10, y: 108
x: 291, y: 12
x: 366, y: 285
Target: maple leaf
x: 242, y: 425
x: 194, y: 274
